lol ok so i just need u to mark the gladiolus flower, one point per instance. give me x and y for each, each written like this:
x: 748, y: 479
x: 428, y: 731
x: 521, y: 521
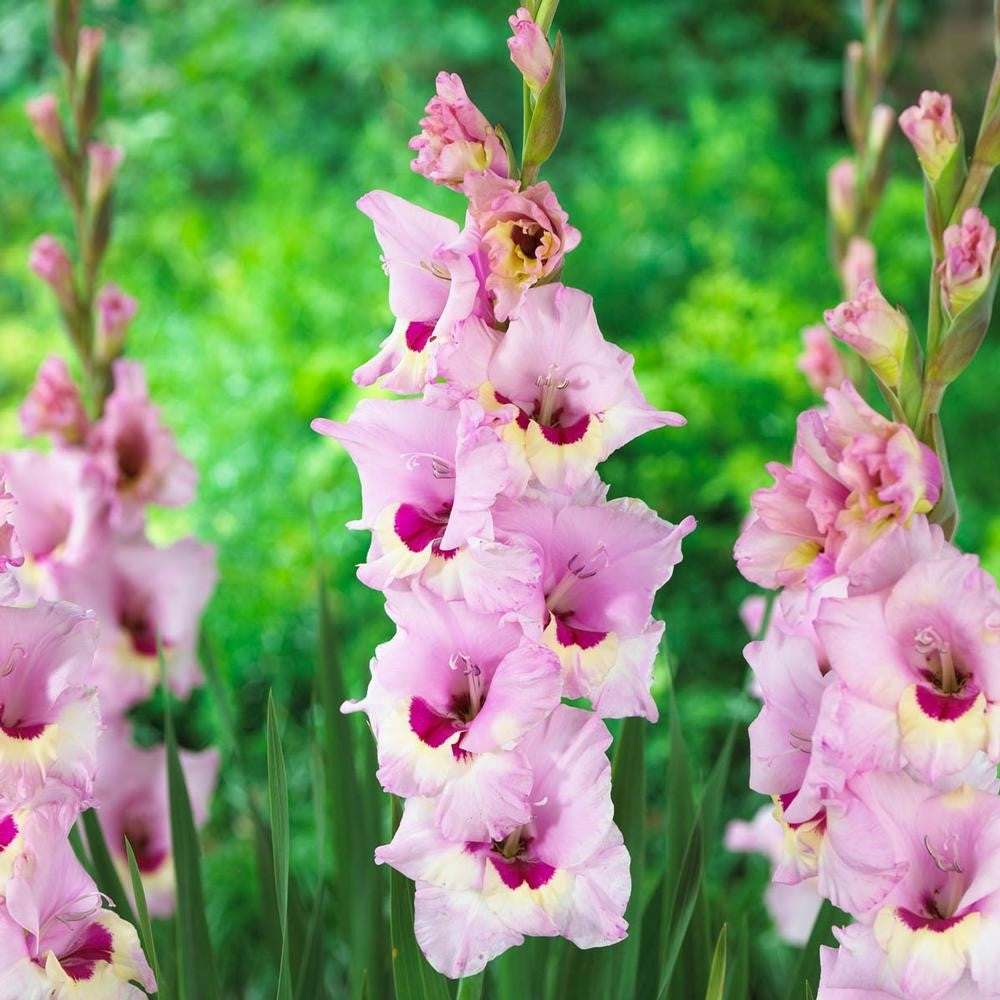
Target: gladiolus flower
x: 53, y: 405
x: 455, y: 138
x: 564, y: 872
x: 529, y: 49
x: 820, y: 362
x: 874, y: 329
x: 11, y: 551
x: 932, y: 129
x: 968, y: 260
x: 525, y: 234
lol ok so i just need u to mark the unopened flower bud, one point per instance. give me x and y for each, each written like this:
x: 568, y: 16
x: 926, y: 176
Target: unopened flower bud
x: 89, y: 50
x: 115, y: 311
x: 858, y: 264
x: 820, y: 362
x: 53, y: 406
x: 49, y: 260
x: 932, y: 129
x: 104, y: 162
x: 876, y: 330
x: 529, y: 49
x: 880, y: 129
x: 842, y: 194
x: 968, y: 258
x: 88, y: 72
x: 854, y: 82
x: 44, y: 114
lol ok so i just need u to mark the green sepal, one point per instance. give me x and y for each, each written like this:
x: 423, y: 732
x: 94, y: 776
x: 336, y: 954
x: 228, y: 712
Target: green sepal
x: 965, y: 333
x: 548, y: 115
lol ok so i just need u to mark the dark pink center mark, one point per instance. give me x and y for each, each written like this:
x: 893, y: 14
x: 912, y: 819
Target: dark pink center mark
x: 417, y: 529
x: 945, y: 707
x: 417, y: 335
x: 132, y: 454
x: 570, y: 635
x: 936, y: 923
x: 819, y: 818
x: 8, y: 831
x: 566, y: 435
x: 91, y: 947
x: 515, y: 872
x: 22, y: 730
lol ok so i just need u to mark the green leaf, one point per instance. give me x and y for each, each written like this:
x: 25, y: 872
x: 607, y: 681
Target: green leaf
x: 648, y: 972
x: 547, y: 116
x: 143, y: 925
x: 471, y: 988
x: 105, y: 873
x: 413, y: 978
x: 807, y: 968
x: 738, y: 986
x: 308, y: 982
x: 277, y: 794
x: 717, y: 975
x: 195, y: 960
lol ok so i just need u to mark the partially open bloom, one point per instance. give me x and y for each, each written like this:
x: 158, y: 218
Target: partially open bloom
x: 529, y: 49
x: 44, y: 115
x: 429, y: 479
x: 935, y: 935
x: 820, y: 362
x: 48, y: 715
x: 924, y: 657
x: 11, y: 551
x: 433, y: 287
x: 49, y: 260
x: 115, y: 310
x: 876, y: 330
x: 452, y: 696
x: 563, y: 872
x: 854, y: 476
x: 576, y: 395
x: 932, y: 129
x: 525, y: 235
x: 455, y: 137
x: 601, y: 567
x: 53, y: 405
x: 131, y: 795
x: 57, y: 941
x: 141, y: 593
x: 858, y: 265
x: 103, y: 163
x: 968, y: 260
x: 136, y: 451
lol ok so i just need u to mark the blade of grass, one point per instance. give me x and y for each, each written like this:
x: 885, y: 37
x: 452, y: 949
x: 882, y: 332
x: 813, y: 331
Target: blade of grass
x: 197, y: 979
x: 738, y: 987
x: 105, y: 873
x: 683, y: 903
x: 471, y: 988
x: 308, y: 983
x: 277, y: 794
x: 144, y: 927
x: 806, y: 969
x: 413, y: 978
x: 717, y: 975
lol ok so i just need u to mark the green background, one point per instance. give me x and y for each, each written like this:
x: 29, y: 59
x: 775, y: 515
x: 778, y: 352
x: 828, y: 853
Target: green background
x: 693, y: 160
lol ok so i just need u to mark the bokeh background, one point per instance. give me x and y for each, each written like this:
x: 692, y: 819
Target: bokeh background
x: 693, y: 159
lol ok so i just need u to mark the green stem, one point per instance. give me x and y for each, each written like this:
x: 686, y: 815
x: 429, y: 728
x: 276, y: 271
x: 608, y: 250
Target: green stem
x: 471, y: 988
x: 973, y: 190
x: 930, y: 406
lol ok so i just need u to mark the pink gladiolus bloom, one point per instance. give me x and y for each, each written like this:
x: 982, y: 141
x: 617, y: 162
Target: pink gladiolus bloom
x: 842, y: 193
x: 56, y: 940
x: 576, y: 394
x: 53, y: 405
x: 433, y: 287
x: 793, y: 907
x: 455, y: 137
x: 136, y: 452
x: 48, y: 718
x: 858, y: 265
x: 429, y: 479
x: 44, y: 115
x: 451, y: 698
x: 820, y: 362
x: 564, y: 872
x: 116, y: 310
x: 968, y: 260
x: 932, y: 130
x: 601, y: 567
x: 131, y: 793
x: 11, y: 552
x: 935, y: 936
x: 933, y: 643
x: 49, y: 260
x: 103, y: 163
x: 854, y: 477
x: 876, y: 330
x: 525, y: 235
x: 529, y: 49
x: 141, y: 593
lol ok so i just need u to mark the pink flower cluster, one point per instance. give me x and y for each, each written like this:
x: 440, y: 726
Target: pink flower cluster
x: 78, y: 513
x: 512, y: 580
x: 879, y: 734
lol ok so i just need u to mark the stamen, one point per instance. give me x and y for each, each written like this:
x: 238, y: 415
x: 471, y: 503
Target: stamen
x: 460, y: 661
x: 577, y: 569
x: 511, y: 844
x: 797, y: 741
x: 436, y: 269
x: 440, y: 468
x: 940, y: 862
x: 17, y: 652
x: 551, y: 386
x: 928, y: 643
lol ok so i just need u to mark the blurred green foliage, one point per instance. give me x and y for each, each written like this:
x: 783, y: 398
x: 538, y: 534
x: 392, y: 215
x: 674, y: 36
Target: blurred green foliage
x: 693, y: 160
